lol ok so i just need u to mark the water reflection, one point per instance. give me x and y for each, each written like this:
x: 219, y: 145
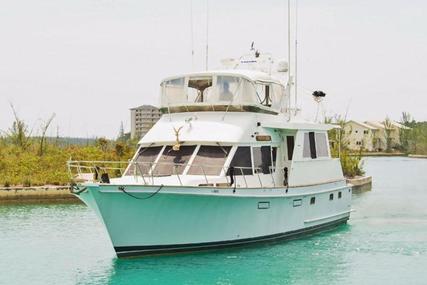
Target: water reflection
x: 308, y: 260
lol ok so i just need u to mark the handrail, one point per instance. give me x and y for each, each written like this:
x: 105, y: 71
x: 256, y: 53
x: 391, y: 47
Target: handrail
x: 80, y: 169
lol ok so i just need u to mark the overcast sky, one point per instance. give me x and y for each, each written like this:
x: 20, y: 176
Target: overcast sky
x: 90, y: 61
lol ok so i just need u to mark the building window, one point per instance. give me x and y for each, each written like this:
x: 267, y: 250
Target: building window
x: 312, y: 200
x: 331, y: 196
x: 339, y: 195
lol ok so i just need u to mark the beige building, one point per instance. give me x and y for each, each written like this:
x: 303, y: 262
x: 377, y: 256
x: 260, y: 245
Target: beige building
x: 142, y: 119
x: 371, y: 135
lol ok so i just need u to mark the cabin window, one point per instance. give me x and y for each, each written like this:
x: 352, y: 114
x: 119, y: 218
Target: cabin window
x: 264, y: 94
x: 321, y: 145
x: 331, y: 196
x: 274, y: 157
x: 315, y: 145
x: 173, y: 162
x: 144, y: 160
x: 227, y: 88
x: 309, y: 149
x: 290, y: 144
x: 198, y: 89
x: 209, y: 160
x: 242, y: 161
x: 277, y: 95
x: 174, y: 91
x: 262, y: 159
x: 312, y: 200
x: 339, y: 195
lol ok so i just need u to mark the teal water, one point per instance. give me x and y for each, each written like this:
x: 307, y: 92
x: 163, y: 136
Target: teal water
x: 385, y: 242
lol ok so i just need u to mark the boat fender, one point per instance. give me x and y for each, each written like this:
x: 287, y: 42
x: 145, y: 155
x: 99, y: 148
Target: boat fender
x: 231, y: 174
x: 105, y: 178
x: 285, y: 170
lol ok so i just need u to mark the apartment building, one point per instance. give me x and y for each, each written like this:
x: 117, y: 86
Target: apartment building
x: 142, y: 119
x: 371, y: 135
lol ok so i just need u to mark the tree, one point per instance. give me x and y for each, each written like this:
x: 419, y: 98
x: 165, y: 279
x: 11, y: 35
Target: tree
x: 405, y: 133
x: 388, y: 127
x: 19, y: 133
x: 121, y: 136
x: 45, y: 127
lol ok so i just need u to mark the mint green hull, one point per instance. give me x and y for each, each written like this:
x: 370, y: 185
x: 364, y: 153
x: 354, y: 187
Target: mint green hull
x: 176, y: 220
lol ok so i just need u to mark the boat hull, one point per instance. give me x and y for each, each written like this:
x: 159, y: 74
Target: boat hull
x: 179, y: 219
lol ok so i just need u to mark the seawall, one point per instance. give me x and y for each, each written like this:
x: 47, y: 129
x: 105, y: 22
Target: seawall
x: 48, y: 193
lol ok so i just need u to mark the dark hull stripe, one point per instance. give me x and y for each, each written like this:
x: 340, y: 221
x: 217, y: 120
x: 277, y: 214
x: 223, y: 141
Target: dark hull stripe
x: 127, y: 251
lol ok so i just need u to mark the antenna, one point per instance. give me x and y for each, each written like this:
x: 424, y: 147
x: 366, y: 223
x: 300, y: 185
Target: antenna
x: 192, y: 34
x: 207, y: 34
x: 289, y: 40
x: 296, y: 56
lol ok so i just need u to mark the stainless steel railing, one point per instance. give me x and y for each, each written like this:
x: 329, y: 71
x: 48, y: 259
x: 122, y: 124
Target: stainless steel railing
x: 146, y: 172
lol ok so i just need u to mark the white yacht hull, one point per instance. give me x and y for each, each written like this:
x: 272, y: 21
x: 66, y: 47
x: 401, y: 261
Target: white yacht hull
x: 143, y: 220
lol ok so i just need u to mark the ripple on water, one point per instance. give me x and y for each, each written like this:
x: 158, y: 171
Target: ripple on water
x: 384, y: 242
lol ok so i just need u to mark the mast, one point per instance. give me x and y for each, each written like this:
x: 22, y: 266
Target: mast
x: 207, y: 34
x: 293, y: 58
x: 296, y: 57
x: 192, y: 34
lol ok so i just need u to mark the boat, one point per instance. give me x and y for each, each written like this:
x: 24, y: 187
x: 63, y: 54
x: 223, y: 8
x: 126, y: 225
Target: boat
x: 230, y: 163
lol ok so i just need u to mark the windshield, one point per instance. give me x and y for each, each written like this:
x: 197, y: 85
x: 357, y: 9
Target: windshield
x: 209, y: 90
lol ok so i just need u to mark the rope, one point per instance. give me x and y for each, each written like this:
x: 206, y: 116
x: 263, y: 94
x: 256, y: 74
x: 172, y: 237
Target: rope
x: 122, y: 188
x: 75, y: 189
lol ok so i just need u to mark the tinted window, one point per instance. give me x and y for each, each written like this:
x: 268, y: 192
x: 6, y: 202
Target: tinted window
x: 274, y: 155
x: 309, y: 149
x: 211, y: 159
x: 173, y: 162
x: 242, y: 161
x: 290, y: 143
x: 321, y: 145
x: 144, y: 160
x: 262, y: 159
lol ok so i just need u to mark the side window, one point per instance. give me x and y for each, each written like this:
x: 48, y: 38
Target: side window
x: 309, y: 149
x: 290, y: 143
x: 242, y: 161
x: 321, y: 145
x: 274, y: 156
x: 262, y: 159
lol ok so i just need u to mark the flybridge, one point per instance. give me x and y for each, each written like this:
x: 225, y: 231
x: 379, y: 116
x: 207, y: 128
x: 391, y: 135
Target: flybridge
x: 228, y: 90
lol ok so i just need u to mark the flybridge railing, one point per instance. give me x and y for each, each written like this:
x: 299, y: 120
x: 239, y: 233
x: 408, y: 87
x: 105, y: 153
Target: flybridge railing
x: 147, y: 172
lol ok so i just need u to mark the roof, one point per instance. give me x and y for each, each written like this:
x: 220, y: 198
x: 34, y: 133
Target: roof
x: 380, y: 125
x: 363, y: 125
x: 299, y: 125
x: 144, y: 106
x: 251, y: 75
x: 376, y: 124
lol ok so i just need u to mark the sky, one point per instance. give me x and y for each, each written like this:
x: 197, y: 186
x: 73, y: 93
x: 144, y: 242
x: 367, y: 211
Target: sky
x: 89, y: 61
